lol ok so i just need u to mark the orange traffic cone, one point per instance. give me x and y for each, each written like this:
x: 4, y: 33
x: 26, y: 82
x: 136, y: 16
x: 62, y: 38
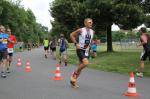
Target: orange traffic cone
x: 19, y: 63
x: 57, y: 73
x: 28, y: 68
x: 131, y: 87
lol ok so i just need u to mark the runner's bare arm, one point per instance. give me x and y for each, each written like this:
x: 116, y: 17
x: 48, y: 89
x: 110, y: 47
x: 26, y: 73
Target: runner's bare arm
x: 144, y: 38
x: 58, y: 43
x: 15, y: 41
x: 67, y: 44
x: 74, y: 34
x: 1, y: 39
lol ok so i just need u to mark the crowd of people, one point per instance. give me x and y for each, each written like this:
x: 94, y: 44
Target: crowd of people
x: 63, y: 46
x: 84, y: 41
x: 86, y: 47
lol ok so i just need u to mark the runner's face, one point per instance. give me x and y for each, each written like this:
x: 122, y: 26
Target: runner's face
x: 89, y: 23
x: 9, y: 32
x: 2, y: 29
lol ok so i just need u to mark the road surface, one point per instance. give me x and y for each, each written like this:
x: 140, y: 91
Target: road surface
x: 39, y: 83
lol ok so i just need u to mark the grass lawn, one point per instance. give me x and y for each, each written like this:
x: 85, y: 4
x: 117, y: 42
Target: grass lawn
x: 120, y: 61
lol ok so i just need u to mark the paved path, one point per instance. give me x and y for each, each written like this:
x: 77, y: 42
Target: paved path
x: 39, y: 84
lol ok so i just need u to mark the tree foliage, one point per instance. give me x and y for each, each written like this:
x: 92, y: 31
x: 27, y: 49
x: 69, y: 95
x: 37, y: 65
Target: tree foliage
x: 22, y: 22
x: 127, y: 14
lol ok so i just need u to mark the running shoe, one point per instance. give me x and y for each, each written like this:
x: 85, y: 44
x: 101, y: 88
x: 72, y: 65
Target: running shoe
x: 8, y: 71
x: 73, y: 82
x: 3, y: 75
x: 66, y: 63
x: 139, y: 75
x: 45, y: 56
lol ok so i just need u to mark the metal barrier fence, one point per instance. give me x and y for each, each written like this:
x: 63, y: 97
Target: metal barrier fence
x: 129, y: 43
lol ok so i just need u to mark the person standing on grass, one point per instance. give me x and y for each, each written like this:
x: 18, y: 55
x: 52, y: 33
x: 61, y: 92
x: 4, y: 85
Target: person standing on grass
x: 82, y: 38
x: 3, y: 50
x: 63, y: 44
x: 145, y: 42
x: 11, y: 42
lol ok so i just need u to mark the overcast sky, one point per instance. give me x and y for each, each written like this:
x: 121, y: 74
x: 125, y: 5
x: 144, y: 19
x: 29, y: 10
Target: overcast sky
x: 40, y: 9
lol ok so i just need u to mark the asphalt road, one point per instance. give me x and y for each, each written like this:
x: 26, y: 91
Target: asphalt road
x: 39, y: 83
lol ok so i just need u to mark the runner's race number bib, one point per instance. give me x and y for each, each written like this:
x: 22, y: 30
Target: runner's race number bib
x: 86, y: 52
x: 10, y: 50
x: 4, y: 41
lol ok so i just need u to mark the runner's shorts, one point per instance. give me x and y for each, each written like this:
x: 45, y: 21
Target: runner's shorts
x: 81, y: 54
x: 10, y: 54
x: 63, y: 53
x: 3, y: 54
x: 53, y: 49
x: 46, y: 48
x: 144, y: 55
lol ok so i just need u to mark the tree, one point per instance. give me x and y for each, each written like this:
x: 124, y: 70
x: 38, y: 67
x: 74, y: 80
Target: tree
x: 22, y: 22
x: 127, y: 14
x: 146, y: 6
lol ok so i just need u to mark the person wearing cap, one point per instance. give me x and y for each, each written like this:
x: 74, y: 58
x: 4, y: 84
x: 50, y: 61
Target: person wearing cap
x: 145, y: 42
x: 82, y: 38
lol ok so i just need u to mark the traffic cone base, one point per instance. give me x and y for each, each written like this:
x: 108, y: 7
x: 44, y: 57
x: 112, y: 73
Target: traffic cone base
x: 131, y: 94
x: 57, y: 78
x: 28, y: 69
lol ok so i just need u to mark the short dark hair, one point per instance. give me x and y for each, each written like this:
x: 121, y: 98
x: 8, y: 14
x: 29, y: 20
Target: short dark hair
x: 143, y: 29
x: 61, y: 35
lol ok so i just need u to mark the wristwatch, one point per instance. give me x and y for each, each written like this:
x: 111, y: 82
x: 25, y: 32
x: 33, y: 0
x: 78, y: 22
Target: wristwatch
x: 75, y: 44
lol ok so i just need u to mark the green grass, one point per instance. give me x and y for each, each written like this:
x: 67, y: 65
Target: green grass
x: 120, y: 61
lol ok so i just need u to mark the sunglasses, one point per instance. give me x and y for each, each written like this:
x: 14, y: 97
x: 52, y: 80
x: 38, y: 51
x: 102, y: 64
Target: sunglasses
x: 89, y: 22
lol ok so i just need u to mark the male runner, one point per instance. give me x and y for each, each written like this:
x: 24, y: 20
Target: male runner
x: 82, y: 38
x: 46, y: 46
x: 145, y: 42
x: 53, y: 48
x: 11, y: 41
x: 3, y: 50
x: 63, y: 44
